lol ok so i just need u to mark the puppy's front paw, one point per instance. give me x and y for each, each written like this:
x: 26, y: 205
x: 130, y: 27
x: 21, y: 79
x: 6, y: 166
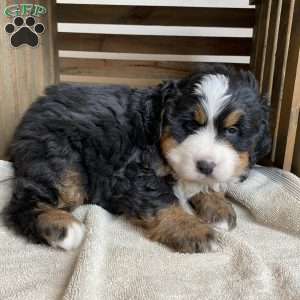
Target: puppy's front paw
x: 180, y: 231
x: 197, y: 240
x: 214, y: 209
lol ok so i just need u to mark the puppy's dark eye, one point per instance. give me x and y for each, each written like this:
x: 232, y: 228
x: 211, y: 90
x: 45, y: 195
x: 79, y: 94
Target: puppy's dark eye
x: 232, y: 130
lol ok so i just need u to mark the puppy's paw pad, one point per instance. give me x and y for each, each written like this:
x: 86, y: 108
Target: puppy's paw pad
x: 73, y: 237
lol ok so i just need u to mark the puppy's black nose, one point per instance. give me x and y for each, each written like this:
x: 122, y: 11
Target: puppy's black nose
x: 205, y: 167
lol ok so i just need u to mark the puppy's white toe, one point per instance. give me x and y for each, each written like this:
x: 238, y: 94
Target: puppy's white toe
x: 221, y: 226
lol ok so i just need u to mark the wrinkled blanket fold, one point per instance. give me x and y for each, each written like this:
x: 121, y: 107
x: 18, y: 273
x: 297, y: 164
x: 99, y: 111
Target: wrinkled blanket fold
x: 260, y: 259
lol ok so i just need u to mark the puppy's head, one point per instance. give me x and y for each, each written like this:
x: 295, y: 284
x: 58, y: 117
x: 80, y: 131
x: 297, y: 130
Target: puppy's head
x: 214, y: 126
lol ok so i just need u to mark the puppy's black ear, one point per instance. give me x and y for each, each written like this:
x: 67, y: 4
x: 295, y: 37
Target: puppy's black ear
x: 249, y: 78
x: 263, y: 141
x: 168, y: 91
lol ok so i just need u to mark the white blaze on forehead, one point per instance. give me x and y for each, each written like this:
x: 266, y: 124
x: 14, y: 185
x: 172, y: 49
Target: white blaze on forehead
x: 213, y: 89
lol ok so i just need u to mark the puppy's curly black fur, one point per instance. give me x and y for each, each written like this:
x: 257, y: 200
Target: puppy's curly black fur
x: 110, y: 146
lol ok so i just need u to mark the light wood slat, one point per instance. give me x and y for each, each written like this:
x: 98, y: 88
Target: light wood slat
x: 272, y: 42
x: 280, y: 69
x: 24, y: 73
x: 130, y: 68
x: 153, y: 15
x: 255, y: 39
x: 296, y: 158
x: 154, y: 44
x: 263, y: 9
x: 289, y: 113
x: 133, y: 82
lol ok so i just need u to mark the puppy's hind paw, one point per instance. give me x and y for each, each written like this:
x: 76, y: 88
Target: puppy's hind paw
x: 60, y: 229
x: 73, y: 237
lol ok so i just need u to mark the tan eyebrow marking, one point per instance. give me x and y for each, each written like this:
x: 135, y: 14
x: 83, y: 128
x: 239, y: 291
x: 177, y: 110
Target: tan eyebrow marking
x: 233, y: 118
x: 200, y: 115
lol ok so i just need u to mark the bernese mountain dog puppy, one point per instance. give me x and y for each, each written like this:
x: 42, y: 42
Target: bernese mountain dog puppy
x: 160, y: 156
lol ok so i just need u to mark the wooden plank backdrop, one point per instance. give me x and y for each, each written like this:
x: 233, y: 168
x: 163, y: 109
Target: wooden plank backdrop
x: 131, y: 72
x: 289, y: 112
x: 296, y: 156
x: 138, y: 72
x: 280, y: 69
x: 24, y: 72
x: 260, y: 37
x: 278, y: 74
x: 153, y: 15
x: 154, y: 44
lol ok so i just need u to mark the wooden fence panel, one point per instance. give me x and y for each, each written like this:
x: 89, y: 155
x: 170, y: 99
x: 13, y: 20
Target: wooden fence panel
x: 289, y: 113
x: 153, y: 15
x: 24, y: 72
x: 133, y: 72
x: 154, y: 44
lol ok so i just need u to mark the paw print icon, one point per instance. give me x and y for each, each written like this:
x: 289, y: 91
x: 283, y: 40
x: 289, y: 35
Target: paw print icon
x: 24, y: 32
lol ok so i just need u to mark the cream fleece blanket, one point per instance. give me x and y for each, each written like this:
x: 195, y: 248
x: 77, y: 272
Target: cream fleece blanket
x: 260, y: 259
